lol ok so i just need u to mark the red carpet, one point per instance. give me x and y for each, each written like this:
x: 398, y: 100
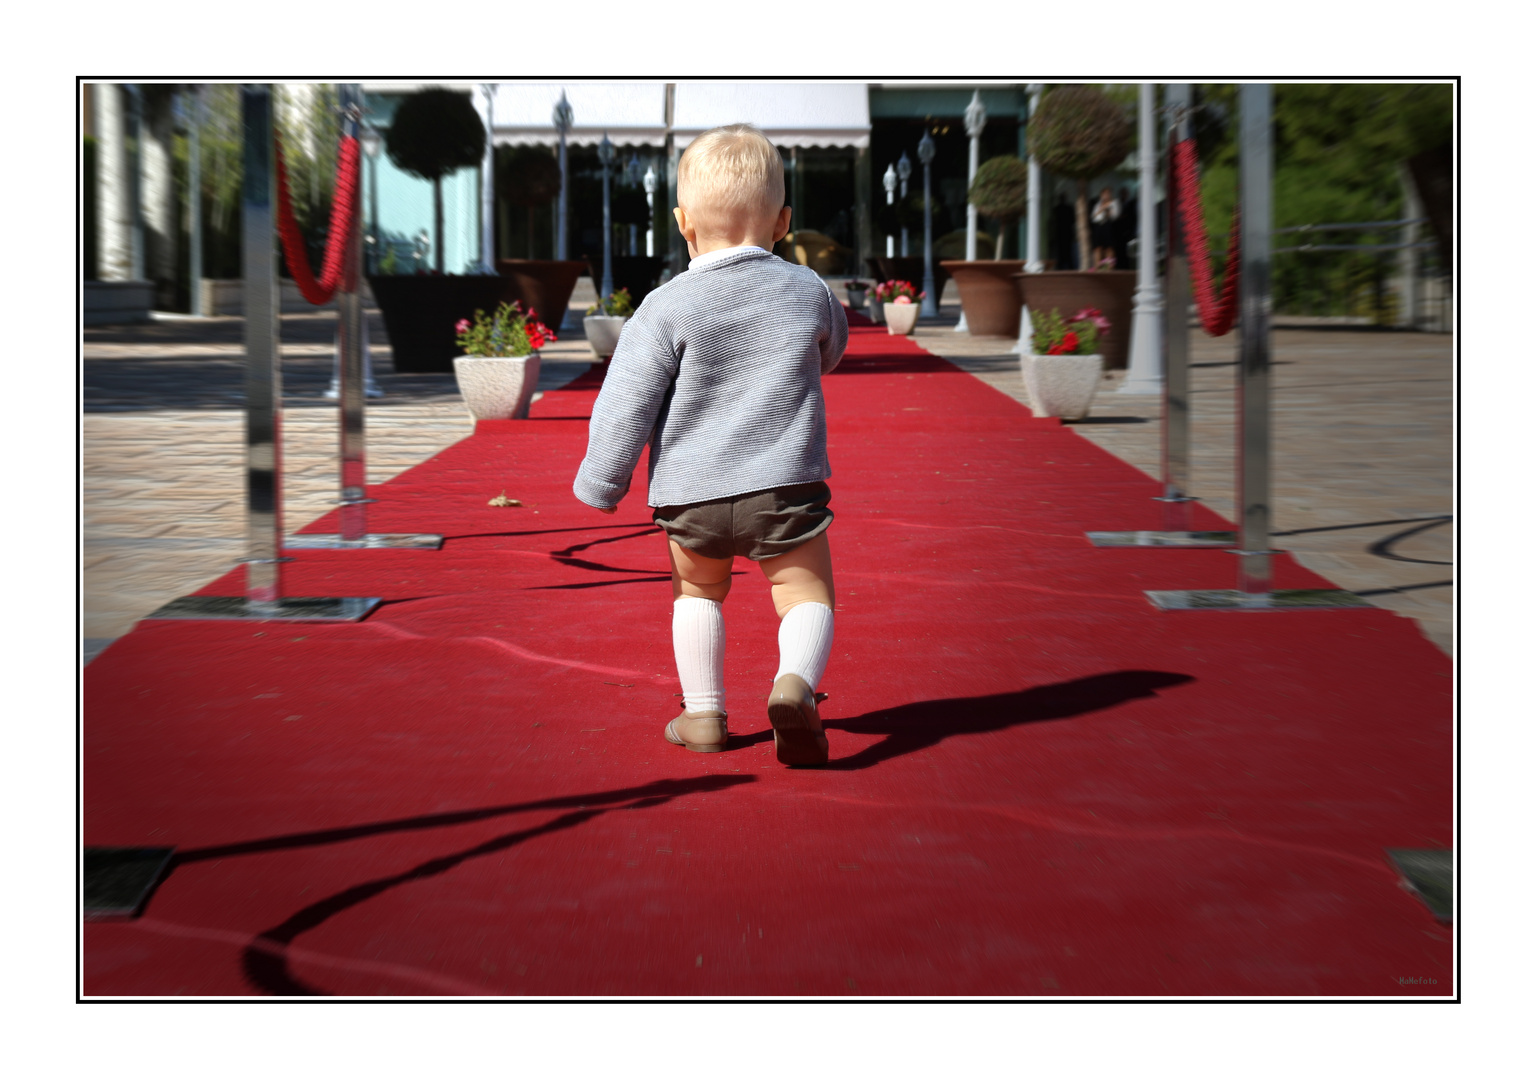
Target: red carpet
x: 1041, y: 785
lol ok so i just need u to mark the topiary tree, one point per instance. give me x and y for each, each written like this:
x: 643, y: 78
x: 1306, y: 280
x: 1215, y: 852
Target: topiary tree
x: 1001, y: 190
x: 1079, y: 132
x: 528, y: 176
x: 434, y: 132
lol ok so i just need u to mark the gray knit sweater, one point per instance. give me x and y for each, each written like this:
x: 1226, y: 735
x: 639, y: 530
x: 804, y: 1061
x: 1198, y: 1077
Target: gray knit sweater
x: 719, y: 370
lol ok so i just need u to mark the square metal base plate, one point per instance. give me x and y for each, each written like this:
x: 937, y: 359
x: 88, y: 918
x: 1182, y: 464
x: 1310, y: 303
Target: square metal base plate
x: 1429, y: 873
x: 372, y: 540
x: 1148, y: 538
x: 295, y: 608
x: 1233, y: 600
x: 119, y: 880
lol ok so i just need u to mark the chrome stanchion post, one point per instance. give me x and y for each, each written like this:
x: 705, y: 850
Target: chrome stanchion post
x: 264, y: 597
x: 1254, y: 592
x: 264, y: 372
x: 351, y: 376
x: 1176, y: 532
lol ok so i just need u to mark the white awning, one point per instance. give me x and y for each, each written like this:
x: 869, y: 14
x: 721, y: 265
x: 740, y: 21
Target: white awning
x: 631, y: 113
x: 789, y: 113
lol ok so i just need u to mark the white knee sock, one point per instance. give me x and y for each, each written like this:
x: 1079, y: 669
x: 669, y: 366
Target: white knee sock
x: 699, y: 646
x: 805, y: 642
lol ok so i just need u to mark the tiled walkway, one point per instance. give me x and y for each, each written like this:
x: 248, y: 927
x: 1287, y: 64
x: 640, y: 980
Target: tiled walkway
x: 1363, y: 449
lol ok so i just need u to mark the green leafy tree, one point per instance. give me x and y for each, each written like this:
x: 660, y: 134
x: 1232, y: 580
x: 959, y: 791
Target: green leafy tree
x: 434, y: 132
x: 1001, y: 190
x: 1079, y: 132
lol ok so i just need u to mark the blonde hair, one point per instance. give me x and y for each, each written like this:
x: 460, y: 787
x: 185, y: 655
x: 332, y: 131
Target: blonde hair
x: 728, y: 173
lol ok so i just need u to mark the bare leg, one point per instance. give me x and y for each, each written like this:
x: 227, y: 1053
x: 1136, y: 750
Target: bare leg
x: 801, y: 582
x: 699, y: 585
x: 801, y: 576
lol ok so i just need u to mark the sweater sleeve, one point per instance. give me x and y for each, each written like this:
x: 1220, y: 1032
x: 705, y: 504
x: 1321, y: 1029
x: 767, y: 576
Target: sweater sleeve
x: 838, y: 337
x: 637, y: 383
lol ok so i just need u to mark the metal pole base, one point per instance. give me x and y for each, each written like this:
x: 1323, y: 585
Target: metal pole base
x: 1152, y: 539
x: 372, y: 540
x: 1234, y: 600
x: 1428, y: 872
x: 291, y: 608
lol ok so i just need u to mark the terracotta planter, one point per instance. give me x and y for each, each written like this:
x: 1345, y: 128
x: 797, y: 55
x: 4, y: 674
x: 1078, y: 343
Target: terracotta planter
x: 901, y: 318
x: 420, y: 312
x: 497, y: 387
x: 541, y: 285
x: 1061, y: 386
x: 988, y: 295
x: 603, y: 333
x: 1071, y: 291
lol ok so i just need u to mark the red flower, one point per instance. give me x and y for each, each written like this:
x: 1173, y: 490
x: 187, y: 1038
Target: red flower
x: 1070, y: 341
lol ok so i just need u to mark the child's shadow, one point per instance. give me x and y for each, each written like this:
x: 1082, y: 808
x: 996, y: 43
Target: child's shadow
x: 922, y: 724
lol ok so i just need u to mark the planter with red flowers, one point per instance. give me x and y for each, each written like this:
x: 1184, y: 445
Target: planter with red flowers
x: 899, y: 305
x: 500, y: 367
x: 1063, y: 368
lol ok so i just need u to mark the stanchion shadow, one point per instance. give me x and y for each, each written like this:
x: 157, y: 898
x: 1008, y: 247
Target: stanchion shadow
x: 922, y: 724
x: 264, y: 960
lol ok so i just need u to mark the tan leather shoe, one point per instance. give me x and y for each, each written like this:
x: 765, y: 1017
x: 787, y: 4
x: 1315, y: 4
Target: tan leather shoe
x: 703, y: 732
x: 798, y: 736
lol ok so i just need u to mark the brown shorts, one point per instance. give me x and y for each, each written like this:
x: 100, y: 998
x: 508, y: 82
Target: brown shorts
x: 759, y: 524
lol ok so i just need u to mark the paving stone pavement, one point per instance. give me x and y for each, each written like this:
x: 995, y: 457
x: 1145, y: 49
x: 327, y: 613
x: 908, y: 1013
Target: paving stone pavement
x: 1362, y: 448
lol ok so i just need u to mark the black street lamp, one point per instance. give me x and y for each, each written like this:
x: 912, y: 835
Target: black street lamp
x: 904, y: 170
x: 606, y: 158
x: 563, y: 118
x: 930, y: 306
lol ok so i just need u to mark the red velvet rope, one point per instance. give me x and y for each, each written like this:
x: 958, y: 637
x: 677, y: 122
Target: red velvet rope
x: 1217, y: 314
x: 343, y: 209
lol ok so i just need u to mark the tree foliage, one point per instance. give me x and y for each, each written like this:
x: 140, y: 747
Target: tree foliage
x: 1079, y: 132
x: 527, y: 176
x: 1001, y: 190
x: 434, y: 132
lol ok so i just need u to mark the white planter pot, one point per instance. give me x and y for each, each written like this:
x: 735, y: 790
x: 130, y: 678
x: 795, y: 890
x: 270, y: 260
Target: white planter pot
x: 900, y: 318
x: 1061, y: 386
x: 497, y: 387
x: 603, y: 333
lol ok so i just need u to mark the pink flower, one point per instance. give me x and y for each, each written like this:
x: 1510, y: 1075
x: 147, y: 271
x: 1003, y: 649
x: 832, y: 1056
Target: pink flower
x: 904, y: 300
x: 463, y: 326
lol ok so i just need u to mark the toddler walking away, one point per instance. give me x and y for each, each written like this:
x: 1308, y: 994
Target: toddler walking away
x: 720, y: 371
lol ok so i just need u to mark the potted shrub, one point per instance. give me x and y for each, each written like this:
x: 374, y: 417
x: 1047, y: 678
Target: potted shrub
x: 434, y: 131
x: 1063, y: 367
x: 499, y: 367
x: 1080, y: 133
x: 529, y: 177
x: 899, y: 304
x: 605, y: 319
x: 1001, y: 190
x: 855, y: 289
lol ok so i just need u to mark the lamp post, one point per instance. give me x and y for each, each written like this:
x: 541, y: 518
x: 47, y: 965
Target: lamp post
x: 606, y: 159
x: 1033, y: 200
x: 904, y: 170
x: 487, y: 188
x: 889, y: 181
x: 195, y: 201
x: 564, y: 118
x: 976, y: 120
x: 371, y: 145
x: 1145, y: 374
x: 649, y: 182
x: 930, y: 301
x: 632, y: 177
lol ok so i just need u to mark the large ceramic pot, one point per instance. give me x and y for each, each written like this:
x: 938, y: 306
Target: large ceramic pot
x: 910, y: 268
x: 988, y: 296
x: 1070, y: 291
x: 1061, y: 386
x: 638, y: 273
x: 421, y: 310
x: 901, y: 318
x: 603, y: 333
x: 497, y: 387
x: 543, y: 286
